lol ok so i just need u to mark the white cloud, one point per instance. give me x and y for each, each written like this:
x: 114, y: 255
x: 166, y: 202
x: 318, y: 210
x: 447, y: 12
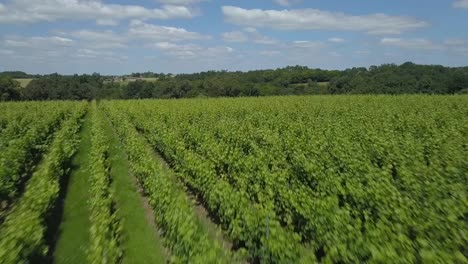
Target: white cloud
x: 179, y: 51
x: 181, y: 2
x: 459, y: 46
x: 454, y: 42
x: 6, y: 52
x: 191, y: 51
x: 259, y: 38
x: 336, y: 40
x: 270, y: 52
x: 334, y: 54
x: 286, y: 2
x: 56, y: 49
x: 461, y: 4
x: 26, y: 11
x: 107, y: 22
x: 314, y: 19
x: 249, y: 34
x: 143, y: 30
x: 362, y: 52
x: 235, y: 36
x: 282, y: 2
x: 37, y: 42
x: 305, y: 44
x: 415, y: 43
x: 103, y: 39
x: 37, y: 48
x: 139, y: 33
x: 453, y: 46
x: 250, y: 29
x: 101, y: 55
x: 462, y: 50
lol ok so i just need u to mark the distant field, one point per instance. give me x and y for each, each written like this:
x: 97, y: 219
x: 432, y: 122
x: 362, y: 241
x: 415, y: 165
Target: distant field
x: 24, y: 82
x: 128, y: 80
x: 150, y: 79
x: 305, y: 84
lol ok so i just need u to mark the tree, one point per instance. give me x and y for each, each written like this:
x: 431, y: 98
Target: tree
x: 9, y: 89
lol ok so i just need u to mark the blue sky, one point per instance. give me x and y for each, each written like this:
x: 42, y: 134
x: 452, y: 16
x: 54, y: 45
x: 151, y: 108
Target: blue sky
x: 123, y: 36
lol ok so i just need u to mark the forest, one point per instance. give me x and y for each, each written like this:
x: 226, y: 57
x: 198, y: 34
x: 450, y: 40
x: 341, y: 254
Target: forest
x: 407, y: 78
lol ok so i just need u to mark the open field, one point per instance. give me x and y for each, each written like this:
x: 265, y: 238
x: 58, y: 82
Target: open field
x: 130, y: 79
x: 322, y: 84
x: 294, y: 179
x: 23, y: 82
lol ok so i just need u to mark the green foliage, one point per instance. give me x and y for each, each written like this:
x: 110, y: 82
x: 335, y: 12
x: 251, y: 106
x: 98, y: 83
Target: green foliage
x: 297, y: 179
x: 72, y: 242
x: 9, y: 89
x: 351, y: 179
x: 140, y: 239
x: 17, y: 75
x: 407, y: 78
x: 22, y: 233
x: 173, y: 212
x: 24, y: 139
x: 105, y: 226
x: 57, y: 87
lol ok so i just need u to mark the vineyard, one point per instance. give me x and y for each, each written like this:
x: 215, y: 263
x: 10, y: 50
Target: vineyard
x: 294, y: 179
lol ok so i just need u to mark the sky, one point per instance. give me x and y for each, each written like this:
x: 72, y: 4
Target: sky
x: 185, y: 36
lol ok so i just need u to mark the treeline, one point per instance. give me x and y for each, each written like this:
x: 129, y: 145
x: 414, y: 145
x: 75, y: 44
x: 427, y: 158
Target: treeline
x: 408, y: 78
x: 18, y: 75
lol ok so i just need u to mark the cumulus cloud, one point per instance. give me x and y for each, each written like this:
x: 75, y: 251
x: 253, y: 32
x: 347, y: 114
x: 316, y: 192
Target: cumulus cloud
x: 98, y: 54
x: 306, y: 44
x: 137, y: 32
x: 459, y: 46
x: 248, y: 34
x: 453, y: 46
x: 36, y: 48
x: 6, y: 52
x: 334, y: 54
x: 314, y: 19
x: 415, y: 43
x: 37, y: 42
x: 336, y: 40
x: 181, y: 2
x: 286, y: 2
x: 98, y: 39
x: 270, y: 52
x: 27, y: 11
x: 235, y: 36
x: 139, y: 29
x: 282, y: 2
x: 455, y: 42
x: 53, y: 49
x: 107, y: 22
x: 191, y: 51
x: 461, y: 4
x: 362, y: 52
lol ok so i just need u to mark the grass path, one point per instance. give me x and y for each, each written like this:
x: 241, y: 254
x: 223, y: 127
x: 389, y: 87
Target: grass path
x: 73, y: 231
x: 141, y: 241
